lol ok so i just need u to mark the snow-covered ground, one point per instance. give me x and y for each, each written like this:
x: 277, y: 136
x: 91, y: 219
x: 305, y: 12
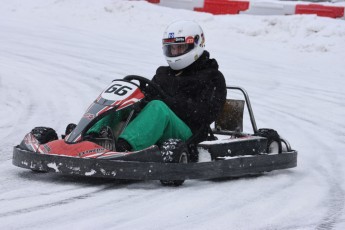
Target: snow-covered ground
x: 56, y: 56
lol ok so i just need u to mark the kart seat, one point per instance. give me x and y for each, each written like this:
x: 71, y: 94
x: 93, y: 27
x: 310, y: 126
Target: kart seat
x: 231, y: 117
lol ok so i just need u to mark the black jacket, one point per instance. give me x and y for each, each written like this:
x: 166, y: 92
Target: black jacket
x: 196, y: 94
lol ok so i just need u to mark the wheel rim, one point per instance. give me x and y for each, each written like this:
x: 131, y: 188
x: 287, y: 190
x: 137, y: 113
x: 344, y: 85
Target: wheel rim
x: 183, y: 158
x: 273, y: 147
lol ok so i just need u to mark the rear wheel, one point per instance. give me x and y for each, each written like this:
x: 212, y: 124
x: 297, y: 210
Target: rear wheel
x: 174, y: 151
x: 273, y: 140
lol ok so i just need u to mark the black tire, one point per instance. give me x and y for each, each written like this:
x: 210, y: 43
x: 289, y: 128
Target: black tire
x: 70, y: 127
x: 44, y: 134
x: 274, y: 144
x: 174, y: 151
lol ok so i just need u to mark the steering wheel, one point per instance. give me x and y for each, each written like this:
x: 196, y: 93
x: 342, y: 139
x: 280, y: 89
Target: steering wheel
x: 144, y: 83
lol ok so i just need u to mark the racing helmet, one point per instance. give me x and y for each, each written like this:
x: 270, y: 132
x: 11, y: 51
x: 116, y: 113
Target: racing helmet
x: 183, y: 43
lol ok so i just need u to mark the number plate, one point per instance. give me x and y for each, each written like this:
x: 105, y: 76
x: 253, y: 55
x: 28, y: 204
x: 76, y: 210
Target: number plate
x: 118, y: 90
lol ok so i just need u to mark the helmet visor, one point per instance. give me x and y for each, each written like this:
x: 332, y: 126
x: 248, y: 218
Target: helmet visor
x: 175, y: 50
x: 174, y: 47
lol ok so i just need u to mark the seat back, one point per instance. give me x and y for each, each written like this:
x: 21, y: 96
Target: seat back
x: 231, y: 117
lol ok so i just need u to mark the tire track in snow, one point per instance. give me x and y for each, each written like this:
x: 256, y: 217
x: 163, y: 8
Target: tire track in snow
x: 336, y: 199
x: 336, y: 203
x: 45, y: 206
x: 31, y: 99
x: 333, y: 175
x: 61, y: 202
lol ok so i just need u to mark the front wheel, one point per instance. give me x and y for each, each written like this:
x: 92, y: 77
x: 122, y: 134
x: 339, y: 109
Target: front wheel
x: 43, y: 135
x: 174, y: 151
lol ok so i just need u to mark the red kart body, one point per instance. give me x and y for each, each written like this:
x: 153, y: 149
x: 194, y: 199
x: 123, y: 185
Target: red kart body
x: 117, y: 96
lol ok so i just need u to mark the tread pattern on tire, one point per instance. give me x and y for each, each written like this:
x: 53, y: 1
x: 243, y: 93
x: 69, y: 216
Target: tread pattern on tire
x: 171, y: 151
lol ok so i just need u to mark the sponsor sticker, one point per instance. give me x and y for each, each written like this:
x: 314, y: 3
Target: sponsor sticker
x: 89, y: 116
x: 190, y: 40
x: 174, y: 40
x: 98, y: 150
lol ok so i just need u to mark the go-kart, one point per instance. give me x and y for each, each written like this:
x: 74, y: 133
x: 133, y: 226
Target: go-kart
x: 232, y: 153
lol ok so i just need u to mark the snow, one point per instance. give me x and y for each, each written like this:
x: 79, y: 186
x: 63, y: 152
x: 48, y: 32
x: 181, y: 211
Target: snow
x: 92, y: 172
x: 53, y: 166
x: 57, y: 55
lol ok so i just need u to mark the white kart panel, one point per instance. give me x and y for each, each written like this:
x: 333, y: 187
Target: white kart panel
x: 118, y: 90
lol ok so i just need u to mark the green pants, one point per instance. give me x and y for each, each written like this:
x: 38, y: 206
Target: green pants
x: 155, y: 123
x: 110, y: 120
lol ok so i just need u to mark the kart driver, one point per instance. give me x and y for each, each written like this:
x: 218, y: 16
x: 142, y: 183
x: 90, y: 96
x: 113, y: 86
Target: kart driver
x: 195, y: 87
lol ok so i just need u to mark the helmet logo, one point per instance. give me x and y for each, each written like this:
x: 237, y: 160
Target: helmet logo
x: 202, y: 44
x: 190, y: 40
x: 171, y: 35
x: 174, y: 40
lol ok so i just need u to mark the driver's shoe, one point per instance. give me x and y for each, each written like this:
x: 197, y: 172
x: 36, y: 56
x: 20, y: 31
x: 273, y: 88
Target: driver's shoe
x: 123, y: 146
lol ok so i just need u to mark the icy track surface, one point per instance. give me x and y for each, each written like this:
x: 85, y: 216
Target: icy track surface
x: 56, y: 56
